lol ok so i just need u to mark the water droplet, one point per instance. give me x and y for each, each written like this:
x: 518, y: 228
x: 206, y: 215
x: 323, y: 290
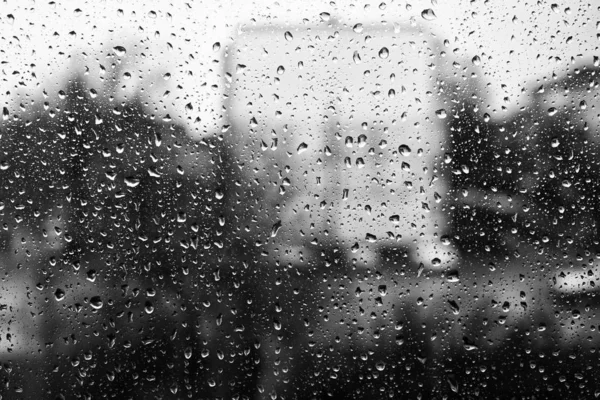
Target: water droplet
x: 452, y: 276
x: 356, y: 58
x: 428, y: 14
x: 288, y: 36
x: 302, y: 148
x: 384, y: 53
x: 216, y: 46
x: 404, y: 150
x: 149, y: 307
x: 476, y: 60
x: 380, y: 366
x: 358, y: 28
x: 5, y: 113
x: 325, y: 16
x: 280, y: 70
x: 91, y: 275
x: 59, y: 294
x: 96, y: 302
x: 131, y: 181
x: 275, y: 228
x: 120, y: 51
x: 555, y: 142
x: 187, y: 353
x: 454, y: 307
x: 552, y: 111
x: 441, y: 113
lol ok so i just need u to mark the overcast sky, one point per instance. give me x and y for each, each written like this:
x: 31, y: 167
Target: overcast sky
x: 517, y: 42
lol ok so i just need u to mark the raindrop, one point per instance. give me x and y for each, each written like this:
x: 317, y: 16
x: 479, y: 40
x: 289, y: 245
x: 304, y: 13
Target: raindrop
x: 428, y: 14
x: 59, y: 294
x: 216, y: 46
x: 91, y: 275
x: 131, y: 181
x: 325, y: 16
x: 280, y: 70
x: 384, y: 53
x: 404, y: 150
x: 358, y: 28
x: 441, y: 113
x: 120, y: 51
x: 302, y: 148
x: 148, y: 307
x: 288, y: 36
x: 187, y: 353
x: 96, y: 302
x: 275, y: 228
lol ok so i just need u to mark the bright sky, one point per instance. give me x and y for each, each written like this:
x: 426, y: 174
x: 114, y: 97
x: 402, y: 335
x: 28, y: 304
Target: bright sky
x: 517, y: 42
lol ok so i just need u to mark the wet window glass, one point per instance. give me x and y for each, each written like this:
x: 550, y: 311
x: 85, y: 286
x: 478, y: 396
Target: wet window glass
x: 299, y: 200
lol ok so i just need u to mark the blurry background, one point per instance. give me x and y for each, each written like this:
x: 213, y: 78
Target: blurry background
x: 300, y: 200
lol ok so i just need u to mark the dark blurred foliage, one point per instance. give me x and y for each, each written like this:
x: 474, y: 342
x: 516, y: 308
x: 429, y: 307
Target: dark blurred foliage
x: 158, y: 220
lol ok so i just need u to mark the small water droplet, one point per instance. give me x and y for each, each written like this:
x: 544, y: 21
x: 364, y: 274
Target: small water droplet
x: 216, y: 46
x: 356, y: 58
x: 441, y: 113
x: 288, y: 36
x: 358, y: 28
x: 384, y: 53
x: 552, y: 111
x: 280, y: 70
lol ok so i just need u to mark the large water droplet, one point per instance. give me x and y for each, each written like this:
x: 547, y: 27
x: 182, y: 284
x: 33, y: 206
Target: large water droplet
x: 384, y: 53
x: 59, y: 294
x: 404, y: 150
x: 302, y: 148
x: 120, y: 51
x: 428, y: 14
x: 96, y: 302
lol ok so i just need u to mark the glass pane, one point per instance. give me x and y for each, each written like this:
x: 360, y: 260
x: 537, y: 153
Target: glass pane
x: 299, y: 200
